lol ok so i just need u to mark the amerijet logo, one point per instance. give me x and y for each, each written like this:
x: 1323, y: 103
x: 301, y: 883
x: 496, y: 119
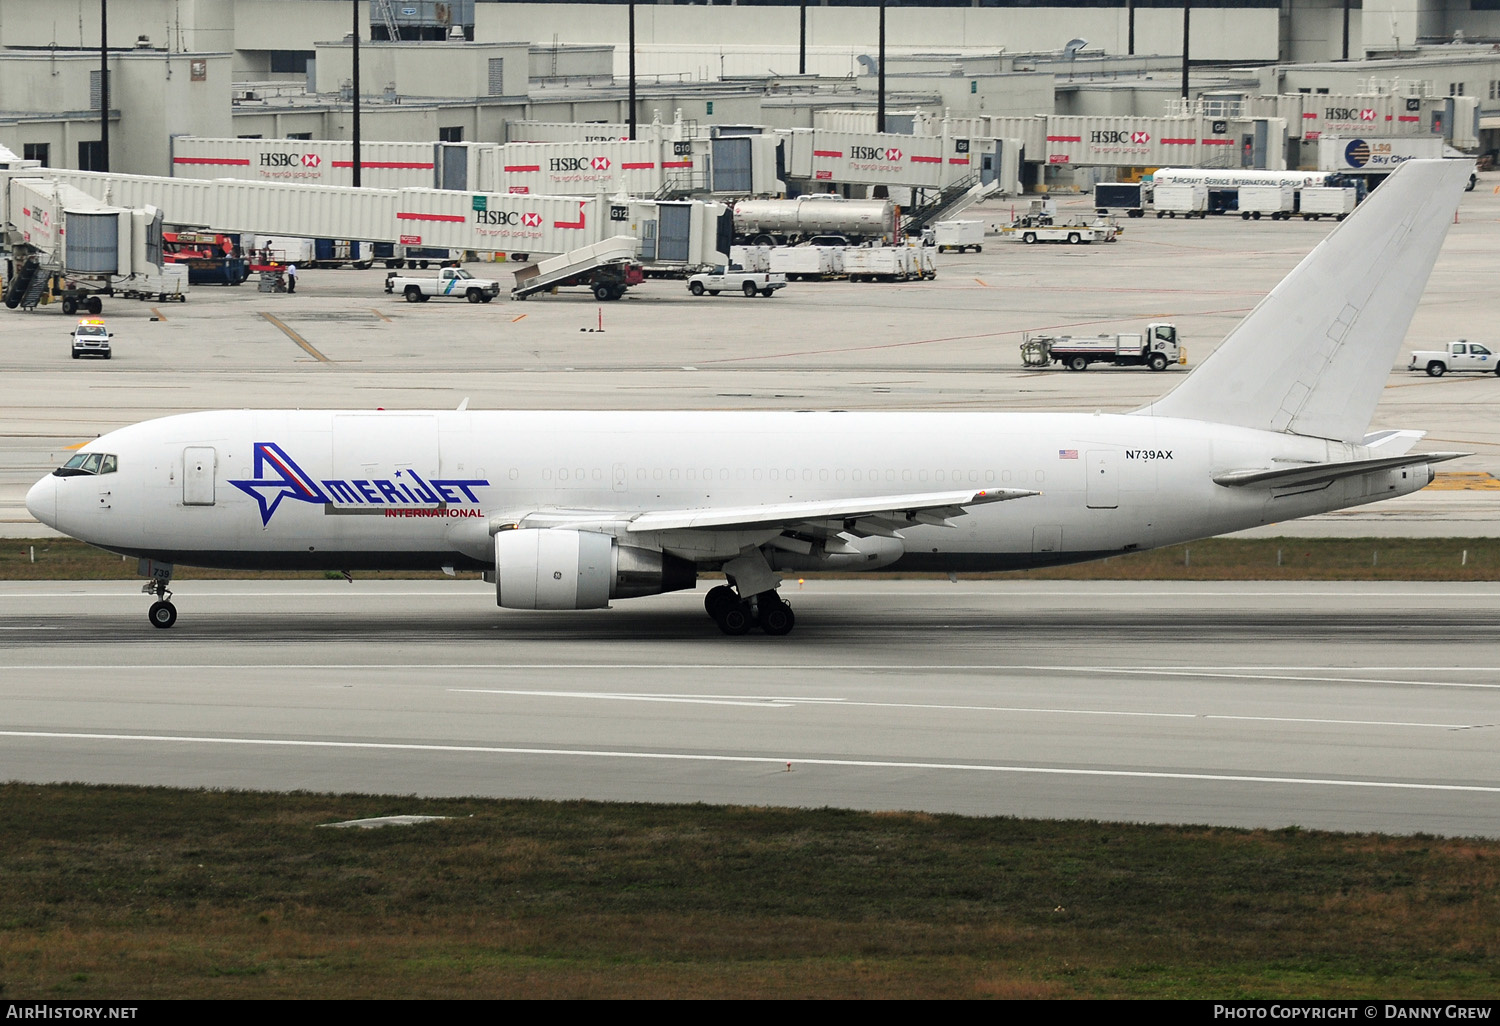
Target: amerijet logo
x: 278, y: 477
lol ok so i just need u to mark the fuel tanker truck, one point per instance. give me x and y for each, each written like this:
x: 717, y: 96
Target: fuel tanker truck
x: 781, y: 222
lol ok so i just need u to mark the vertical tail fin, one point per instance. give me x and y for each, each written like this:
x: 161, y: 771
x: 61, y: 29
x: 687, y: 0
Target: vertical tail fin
x: 1313, y: 356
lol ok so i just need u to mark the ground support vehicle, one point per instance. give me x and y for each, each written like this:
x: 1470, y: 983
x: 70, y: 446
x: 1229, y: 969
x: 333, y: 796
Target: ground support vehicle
x: 1462, y: 355
x: 724, y: 279
x: 1275, y: 201
x: 451, y: 282
x: 1032, y: 230
x: 211, y: 259
x: 608, y: 268
x: 959, y: 236
x: 1318, y: 202
x: 1187, y: 200
x: 171, y: 286
x: 1156, y: 348
x: 90, y: 338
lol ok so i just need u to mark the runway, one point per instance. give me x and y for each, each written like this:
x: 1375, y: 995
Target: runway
x: 1358, y: 707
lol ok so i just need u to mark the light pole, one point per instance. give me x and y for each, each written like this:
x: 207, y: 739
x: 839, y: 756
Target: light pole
x: 355, y: 37
x: 103, y: 86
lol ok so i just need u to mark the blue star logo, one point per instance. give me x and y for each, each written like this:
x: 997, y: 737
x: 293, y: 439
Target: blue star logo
x: 278, y: 477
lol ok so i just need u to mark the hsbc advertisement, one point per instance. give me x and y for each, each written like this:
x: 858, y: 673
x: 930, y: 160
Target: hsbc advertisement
x: 1348, y: 116
x: 590, y: 166
x: 882, y: 158
x: 1093, y: 141
x: 383, y: 165
x: 497, y: 221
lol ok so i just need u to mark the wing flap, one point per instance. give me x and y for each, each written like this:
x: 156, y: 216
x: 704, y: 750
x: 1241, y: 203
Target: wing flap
x: 1322, y: 473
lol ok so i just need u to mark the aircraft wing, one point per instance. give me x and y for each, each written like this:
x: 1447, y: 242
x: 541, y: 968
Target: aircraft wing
x: 873, y: 515
x: 880, y: 515
x: 1326, y: 473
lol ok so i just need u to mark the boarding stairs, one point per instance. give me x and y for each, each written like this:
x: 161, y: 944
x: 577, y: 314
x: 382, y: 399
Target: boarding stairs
x: 570, y: 267
x: 952, y: 200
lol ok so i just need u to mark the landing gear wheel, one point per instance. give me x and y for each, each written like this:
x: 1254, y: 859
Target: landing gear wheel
x: 776, y: 617
x: 719, y: 599
x: 735, y: 620
x: 162, y: 614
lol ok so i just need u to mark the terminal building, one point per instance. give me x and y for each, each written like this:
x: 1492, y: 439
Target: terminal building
x: 473, y: 71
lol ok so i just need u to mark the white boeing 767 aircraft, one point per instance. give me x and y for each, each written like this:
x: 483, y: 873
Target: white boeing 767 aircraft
x: 568, y: 510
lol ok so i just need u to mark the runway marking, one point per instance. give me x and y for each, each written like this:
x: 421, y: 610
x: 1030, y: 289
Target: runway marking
x: 778, y: 760
x: 765, y: 703
x: 791, y: 701
x: 307, y: 346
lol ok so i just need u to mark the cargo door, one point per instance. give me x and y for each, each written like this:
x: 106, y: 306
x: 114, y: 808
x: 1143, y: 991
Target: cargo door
x: 1103, y: 482
x: 675, y: 236
x: 198, y: 465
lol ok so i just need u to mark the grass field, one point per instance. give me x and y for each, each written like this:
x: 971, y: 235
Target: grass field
x: 1273, y: 559
x: 153, y: 893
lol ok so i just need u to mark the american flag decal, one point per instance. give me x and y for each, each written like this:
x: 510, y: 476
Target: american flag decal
x: 1067, y: 454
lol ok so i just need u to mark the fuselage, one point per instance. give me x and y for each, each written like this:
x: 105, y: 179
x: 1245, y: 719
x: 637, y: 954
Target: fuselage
x: 349, y: 490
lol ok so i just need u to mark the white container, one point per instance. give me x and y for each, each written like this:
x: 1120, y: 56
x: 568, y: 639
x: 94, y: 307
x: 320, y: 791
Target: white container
x: 959, y: 235
x: 1274, y: 201
x: 1187, y: 200
x: 1316, y: 203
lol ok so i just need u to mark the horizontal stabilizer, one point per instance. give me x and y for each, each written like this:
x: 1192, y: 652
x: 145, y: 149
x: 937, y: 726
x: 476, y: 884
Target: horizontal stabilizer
x: 1323, y: 473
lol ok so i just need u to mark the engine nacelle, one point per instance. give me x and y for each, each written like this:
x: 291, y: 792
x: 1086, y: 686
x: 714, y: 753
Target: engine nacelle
x: 552, y: 568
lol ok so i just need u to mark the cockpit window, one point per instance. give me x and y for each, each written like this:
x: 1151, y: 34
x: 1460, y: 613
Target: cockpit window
x: 88, y: 463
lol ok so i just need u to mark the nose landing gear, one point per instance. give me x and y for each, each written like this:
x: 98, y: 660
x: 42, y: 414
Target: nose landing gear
x: 162, y: 613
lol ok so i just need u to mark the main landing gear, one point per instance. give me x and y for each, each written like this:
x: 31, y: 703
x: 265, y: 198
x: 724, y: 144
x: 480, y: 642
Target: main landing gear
x: 736, y: 615
x: 162, y: 613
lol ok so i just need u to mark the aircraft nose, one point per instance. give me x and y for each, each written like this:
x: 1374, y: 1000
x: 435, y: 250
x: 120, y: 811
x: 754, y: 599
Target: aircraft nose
x: 41, y: 501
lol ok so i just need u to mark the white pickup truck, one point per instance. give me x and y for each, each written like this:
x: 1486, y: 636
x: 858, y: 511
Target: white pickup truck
x: 450, y: 281
x: 734, y: 279
x: 1462, y: 355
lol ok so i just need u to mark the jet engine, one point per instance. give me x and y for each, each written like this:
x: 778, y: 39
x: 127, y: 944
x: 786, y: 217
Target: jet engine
x: 552, y: 568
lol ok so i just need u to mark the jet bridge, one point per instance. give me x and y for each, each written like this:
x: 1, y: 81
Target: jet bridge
x: 63, y: 241
x: 677, y: 236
